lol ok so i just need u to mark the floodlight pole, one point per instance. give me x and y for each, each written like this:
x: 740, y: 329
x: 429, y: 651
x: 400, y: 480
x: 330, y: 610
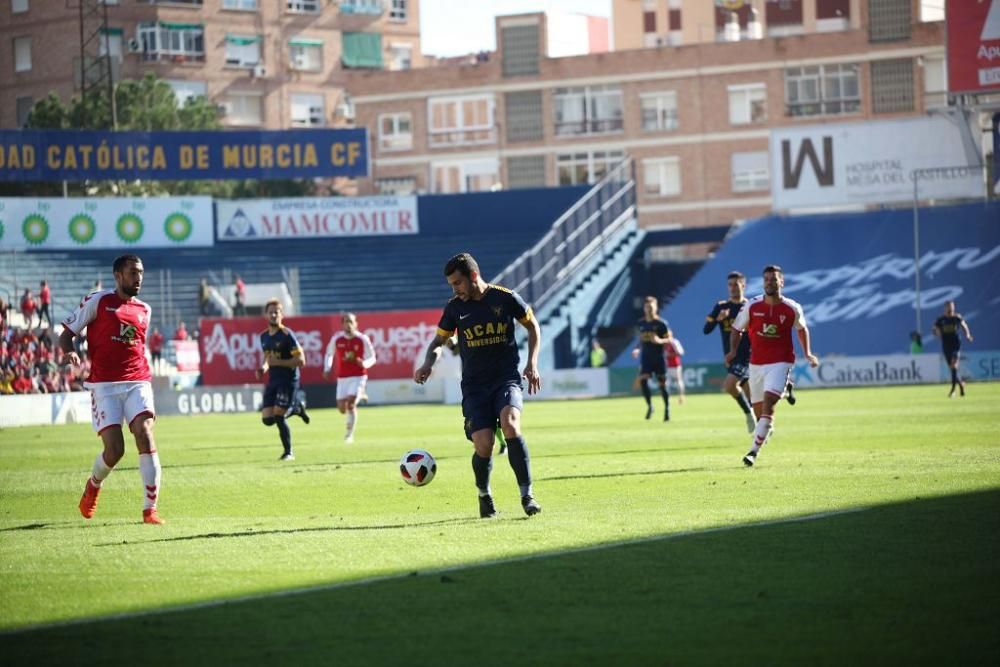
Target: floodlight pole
x: 916, y: 248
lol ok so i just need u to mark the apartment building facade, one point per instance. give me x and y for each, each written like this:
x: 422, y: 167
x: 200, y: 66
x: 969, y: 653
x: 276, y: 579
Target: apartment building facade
x: 695, y: 118
x: 265, y: 63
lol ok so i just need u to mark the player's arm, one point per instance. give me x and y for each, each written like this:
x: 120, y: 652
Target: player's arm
x: 803, y: 332
x: 431, y: 356
x: 965, y: 328
x: 531, y: 373
x: 936, y: 330
x: 84, y: 314
x: 740, y: 323
x: 297, y: 360
x: 369, y: 351
x: 711, y: 320
x: 331, y: 349
x: 66, y: 345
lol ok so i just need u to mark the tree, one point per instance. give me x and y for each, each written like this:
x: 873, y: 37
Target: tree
x: 146, y: 105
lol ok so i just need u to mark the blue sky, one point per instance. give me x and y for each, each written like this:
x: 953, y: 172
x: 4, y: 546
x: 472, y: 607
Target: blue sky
x: 457, y: 27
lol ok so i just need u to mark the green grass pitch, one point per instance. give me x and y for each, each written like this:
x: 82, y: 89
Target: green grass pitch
x: 868, y: 533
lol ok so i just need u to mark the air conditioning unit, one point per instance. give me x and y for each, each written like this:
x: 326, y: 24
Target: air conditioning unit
x: 259, y: 71
x: 134, y: 45
x: 299, y: 62
x: 345, y: 110
x: 222, y: 109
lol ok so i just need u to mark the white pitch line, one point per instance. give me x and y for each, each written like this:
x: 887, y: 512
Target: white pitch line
x: 423, y: 573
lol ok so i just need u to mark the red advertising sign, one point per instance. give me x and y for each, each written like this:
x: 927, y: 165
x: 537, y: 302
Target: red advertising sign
x: 231, y: 348
x: 973, y: 45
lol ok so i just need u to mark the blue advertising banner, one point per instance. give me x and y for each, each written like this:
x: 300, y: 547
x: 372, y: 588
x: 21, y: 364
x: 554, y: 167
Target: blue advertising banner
x: 854, y: 276
x: 996, y: 153
x: 58, y: 155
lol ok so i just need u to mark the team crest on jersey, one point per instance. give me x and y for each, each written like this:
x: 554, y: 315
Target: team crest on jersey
x: 781, y: 318
x: 498, y: 310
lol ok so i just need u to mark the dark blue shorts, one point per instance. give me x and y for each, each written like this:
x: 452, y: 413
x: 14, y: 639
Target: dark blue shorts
x: 279, y: 394
x: 951, y: 354
x: 654, y: 366
x: 481, y: 407
x: 740, y: 368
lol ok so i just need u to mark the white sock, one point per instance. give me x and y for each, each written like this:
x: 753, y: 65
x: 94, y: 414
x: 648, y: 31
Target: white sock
x: 149, y: 467
x: 761, y: 433
x: 352, y: 419
x: 100, y: 471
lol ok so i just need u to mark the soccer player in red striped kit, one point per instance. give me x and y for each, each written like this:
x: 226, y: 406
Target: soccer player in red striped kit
x: 768, y: 320
x: 120, y: 380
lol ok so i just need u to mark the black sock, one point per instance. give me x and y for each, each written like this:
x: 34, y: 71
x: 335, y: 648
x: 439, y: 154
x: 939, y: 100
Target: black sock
x: 954, y: 377
x: 665, y: 395
x: 520, y: 463
x: 285, y: 433
x: 644, y: 385
x: 745, y: 406
x: 481, y: 468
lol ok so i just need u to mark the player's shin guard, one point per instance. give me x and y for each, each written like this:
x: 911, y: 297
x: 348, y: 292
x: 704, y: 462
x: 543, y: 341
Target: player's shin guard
x: 352, y: 420
x: 481, y: 468
x: 284, y: 432
x: 100, y: 471
x: 149, y: 468
x: 520, y: 463
x: 762, y: 432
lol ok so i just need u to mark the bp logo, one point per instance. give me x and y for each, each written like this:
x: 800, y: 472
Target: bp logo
x: 1, y: 230
x: 35, y: 229
x: 178, y: 227
x: 82, y: 228
x: 129, y: 227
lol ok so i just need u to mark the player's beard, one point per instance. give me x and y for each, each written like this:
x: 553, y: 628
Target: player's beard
x: 131, y: 290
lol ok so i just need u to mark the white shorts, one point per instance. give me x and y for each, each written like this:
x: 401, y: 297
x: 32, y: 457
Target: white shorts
x: 351, y: 386
x: 119, y: 403
x: 769, y: 378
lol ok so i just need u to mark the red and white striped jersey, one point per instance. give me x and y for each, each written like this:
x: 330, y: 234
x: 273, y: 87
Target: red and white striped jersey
x: 350, y: 356
x: 116, y: 336
x: 769, y: 327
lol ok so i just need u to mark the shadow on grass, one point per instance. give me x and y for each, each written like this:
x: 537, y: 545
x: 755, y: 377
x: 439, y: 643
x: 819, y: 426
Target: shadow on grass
x: 622, y: 474
x: 915, y: 583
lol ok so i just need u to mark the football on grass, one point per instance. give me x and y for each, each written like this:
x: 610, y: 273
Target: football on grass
x: 417, y: 467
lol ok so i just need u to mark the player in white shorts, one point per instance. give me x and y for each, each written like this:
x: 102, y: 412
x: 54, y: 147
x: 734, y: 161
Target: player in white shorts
x: 769, y: 320
x: 350, y: 353
x: 119, y: 382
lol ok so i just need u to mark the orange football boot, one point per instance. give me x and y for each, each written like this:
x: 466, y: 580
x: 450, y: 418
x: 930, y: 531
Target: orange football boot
x: 88, y: 503
x: 150, y: 516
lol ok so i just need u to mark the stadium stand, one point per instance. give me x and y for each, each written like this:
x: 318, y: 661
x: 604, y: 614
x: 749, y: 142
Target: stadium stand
x: 854, y: 275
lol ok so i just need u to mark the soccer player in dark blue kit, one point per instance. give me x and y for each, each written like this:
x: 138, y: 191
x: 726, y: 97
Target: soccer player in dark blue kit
x: 282, y: 360
x: 738, y: 372
x: 483, y: 316
x: 652, y: 337
x: 946, y: 328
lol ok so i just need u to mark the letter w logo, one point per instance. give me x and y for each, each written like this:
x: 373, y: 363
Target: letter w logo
x: 791, y: 174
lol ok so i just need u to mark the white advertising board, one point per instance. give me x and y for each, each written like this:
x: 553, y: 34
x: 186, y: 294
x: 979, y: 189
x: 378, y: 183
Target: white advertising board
x: 315, y: 217
x: 57, y: 223
x: 875, y: 162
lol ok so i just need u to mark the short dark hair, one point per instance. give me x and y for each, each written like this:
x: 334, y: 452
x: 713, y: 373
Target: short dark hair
x: 773, y: 268
x: 737, y: 275
x: 464, y: 263
x: 122, y: 260
x: 274, y: 301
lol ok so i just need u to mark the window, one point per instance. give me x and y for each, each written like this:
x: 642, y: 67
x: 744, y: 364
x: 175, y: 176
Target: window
x: 833, y: 15
x: 244, y: 108
x: 892, y: 85
x: 303, y: 6
x: 362, y: 50
x: 306, y: 55
x: 395, y: 132
x: 246, y: 5
x: 526, y: 172
x: 935, y: 82
x: 822, y: 90
x: 22, y: 54
x: 110, y: 42
x: 400, y: 56
x: 750, y: 172
x: 461, y: 120
x: 307, y: 110
x: 520, y: 49
x: 747, y: 104
x: 172, y: 41
x: 397, y: 11
x: 589, y: 167
x: 588, y: 110
x: 187, y: 90
x: 889, y: 20
x: 405, y: 185
x: 523, y: 110
x: 23, y: 106
x: 659, y: 110
x: 662, y: 177
x: 242, y: 51
x: 469, y: 176
x: 18, y: 6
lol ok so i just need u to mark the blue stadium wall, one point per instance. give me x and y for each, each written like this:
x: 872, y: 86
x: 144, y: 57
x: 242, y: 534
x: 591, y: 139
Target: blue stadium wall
x: 854, y: 276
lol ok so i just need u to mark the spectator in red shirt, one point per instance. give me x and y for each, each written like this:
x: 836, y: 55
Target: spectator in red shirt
x: 240, y: 307
x: 156, y: 348
x: 22, y: 384
x: 181, y: 333
x: 28, y: 306
x: 45, y: 302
